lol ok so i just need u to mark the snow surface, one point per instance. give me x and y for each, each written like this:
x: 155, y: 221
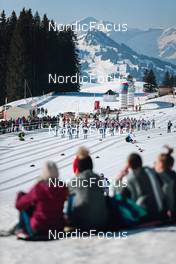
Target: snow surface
x: 16, y: 174
x: 65, y: 103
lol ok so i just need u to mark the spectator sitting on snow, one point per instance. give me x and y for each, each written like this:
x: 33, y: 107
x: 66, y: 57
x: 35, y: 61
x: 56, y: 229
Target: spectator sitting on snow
x: 87, y: 205
x: 164, y: 167
x: 143, y: 186
x: 41, y: 209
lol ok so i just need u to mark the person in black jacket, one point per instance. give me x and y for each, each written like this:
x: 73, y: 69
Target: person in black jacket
x: 87, y: 204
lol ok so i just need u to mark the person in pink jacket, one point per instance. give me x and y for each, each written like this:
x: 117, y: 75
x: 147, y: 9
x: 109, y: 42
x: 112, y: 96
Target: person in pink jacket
x: 41, y: 209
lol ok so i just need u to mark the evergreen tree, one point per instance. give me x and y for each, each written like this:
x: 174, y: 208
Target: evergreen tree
x: 174, y: 80
x: 145, y: 77
x: 171, y: 83
x: 166, y: 80
x: 3, y: 56
x: 38, y: 54
x: 150, y: 79
x: 11, y: 25
x: 16, y: 67
x: 29, y: 52
x: 70, y: 55
x: 169, y: 80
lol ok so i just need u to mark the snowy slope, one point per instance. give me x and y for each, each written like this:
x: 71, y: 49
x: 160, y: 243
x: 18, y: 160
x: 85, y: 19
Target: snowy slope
x: 17, y: 174
x: 17, y: 156
x: 57, y: 104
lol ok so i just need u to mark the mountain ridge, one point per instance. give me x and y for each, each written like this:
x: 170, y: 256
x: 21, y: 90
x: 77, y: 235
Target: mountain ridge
x: 100, y: 54
x: 153, y: 42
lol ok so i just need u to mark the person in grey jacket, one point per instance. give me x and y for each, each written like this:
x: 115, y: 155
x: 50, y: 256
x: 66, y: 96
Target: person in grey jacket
x: 163, y: 166
x: 143, y: 186
x: 87, y: 208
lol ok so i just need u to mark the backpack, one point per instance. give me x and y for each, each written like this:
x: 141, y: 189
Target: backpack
x: 124, y: 212
x: 163, y: 189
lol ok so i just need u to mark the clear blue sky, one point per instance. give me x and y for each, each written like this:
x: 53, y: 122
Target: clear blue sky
x: 136, y: 13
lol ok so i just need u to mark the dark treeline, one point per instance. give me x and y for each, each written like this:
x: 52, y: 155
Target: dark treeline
x: 169, y: 80
x: 29, y: 52
x: 149, y: 78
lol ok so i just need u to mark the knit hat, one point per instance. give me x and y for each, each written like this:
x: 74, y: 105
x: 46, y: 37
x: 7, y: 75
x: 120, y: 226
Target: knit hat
x: 82, y: 153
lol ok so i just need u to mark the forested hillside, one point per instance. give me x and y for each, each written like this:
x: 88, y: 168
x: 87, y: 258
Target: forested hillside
x: 29, y: 52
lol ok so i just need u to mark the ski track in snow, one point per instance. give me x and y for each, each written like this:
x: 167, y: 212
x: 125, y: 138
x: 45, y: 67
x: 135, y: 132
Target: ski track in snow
x: 60, y: 161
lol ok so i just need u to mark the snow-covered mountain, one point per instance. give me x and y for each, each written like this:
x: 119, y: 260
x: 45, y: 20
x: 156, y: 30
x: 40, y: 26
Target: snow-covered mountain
x: 154, y: 42
x: 159, y: 43
x: 167, y: 44
x: 101, y: 56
